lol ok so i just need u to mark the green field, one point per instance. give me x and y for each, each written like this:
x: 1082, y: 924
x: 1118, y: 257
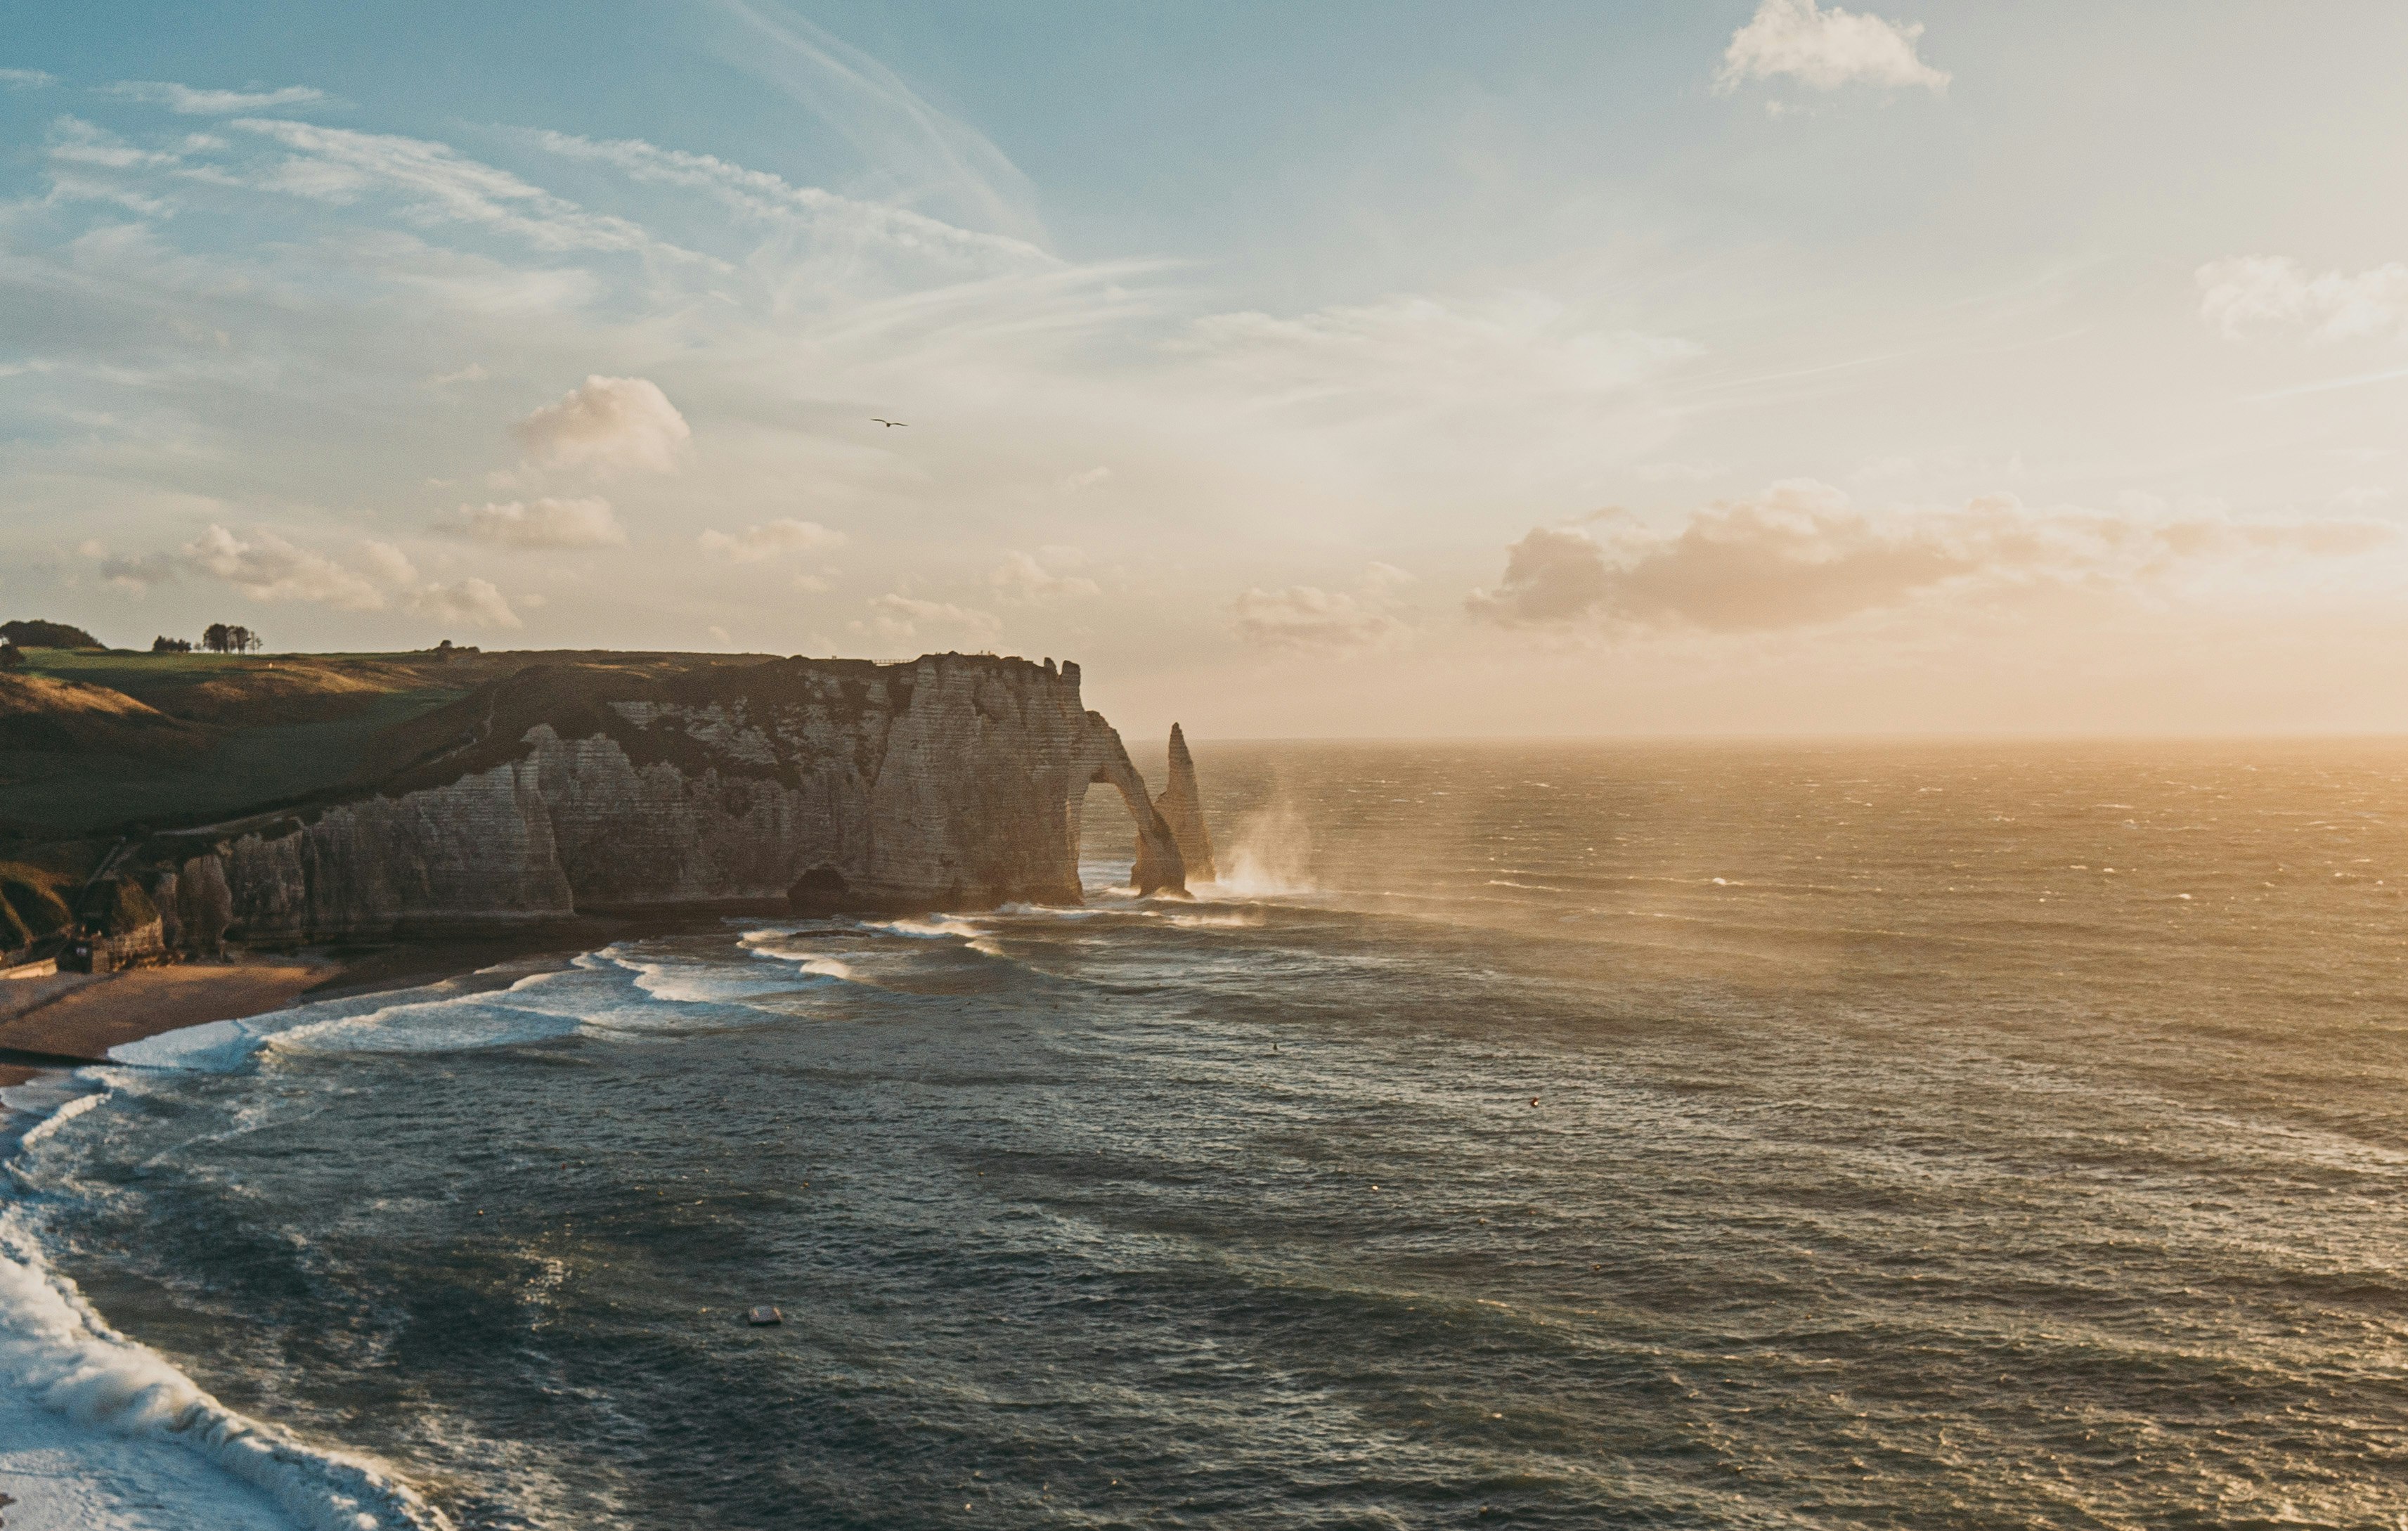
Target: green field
x: 96, y: 743
x: 234, y: 732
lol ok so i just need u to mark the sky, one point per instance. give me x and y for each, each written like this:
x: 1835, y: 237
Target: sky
x: 1388, y: 369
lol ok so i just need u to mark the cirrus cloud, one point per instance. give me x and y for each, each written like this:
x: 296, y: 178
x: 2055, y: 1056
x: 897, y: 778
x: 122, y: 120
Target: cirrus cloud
x: 189, y: 102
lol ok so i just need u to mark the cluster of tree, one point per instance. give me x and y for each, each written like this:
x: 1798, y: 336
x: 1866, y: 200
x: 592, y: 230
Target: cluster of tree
x: 47, y: 635
x: 11, y: 657
x: 164, y: 645
x: 220, y: 638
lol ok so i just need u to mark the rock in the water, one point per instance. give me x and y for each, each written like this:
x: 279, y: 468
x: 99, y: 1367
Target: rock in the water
x: 953, y: 781
x: 1184, y: 811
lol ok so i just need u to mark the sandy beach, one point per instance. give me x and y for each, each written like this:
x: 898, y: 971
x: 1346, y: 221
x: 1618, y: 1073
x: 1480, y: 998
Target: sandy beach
x: 69, y: 1019
x: 79, y: 1017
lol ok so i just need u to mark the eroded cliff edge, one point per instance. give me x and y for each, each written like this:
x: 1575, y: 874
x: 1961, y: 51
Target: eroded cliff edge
x: 951, y: 781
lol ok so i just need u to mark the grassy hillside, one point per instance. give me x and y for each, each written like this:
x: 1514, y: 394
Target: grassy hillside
x: 93, y: 743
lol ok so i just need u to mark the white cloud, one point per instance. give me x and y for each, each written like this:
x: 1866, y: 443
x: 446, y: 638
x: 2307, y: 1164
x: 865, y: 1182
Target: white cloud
x: 901, y: 616
x: 607, y: 423
x: 1021, y: 577
x: 27, y: 79
x: 540, y: 524
x: 184, y: 99
x: 769, y: 540
x: 1309, y: 616
x: 1086, y: 479
x: 269, y: 568
x: 1825, y: 49
x: 1800, y: 555
x: 73, y: 141
x: 475, y: 602
x: 377, y: 577
x: 2251, y: 290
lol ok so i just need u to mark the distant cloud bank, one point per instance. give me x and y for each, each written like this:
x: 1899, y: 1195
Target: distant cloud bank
x: 2245, y: 292
x: 1800, y: 555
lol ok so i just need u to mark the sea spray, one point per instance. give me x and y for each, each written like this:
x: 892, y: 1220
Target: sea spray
x: 1269, y: 856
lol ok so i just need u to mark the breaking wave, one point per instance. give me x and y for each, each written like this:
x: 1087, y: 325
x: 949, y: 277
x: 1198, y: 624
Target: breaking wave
x: 124, y: 1404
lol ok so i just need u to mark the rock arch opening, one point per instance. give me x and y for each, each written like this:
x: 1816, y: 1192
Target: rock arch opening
x: 820, y: 891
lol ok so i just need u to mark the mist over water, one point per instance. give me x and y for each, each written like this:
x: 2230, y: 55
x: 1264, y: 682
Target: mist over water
x: 1543, y: 1136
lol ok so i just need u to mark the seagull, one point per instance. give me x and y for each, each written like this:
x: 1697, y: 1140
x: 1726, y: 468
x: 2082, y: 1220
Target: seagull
x: 890, y: 425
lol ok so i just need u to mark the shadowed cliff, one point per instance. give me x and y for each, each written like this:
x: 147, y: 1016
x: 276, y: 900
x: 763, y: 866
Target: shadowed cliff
x: 613, y: 784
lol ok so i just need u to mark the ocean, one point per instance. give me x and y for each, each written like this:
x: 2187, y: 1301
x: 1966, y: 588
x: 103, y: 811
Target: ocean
x: 1744, y: 1134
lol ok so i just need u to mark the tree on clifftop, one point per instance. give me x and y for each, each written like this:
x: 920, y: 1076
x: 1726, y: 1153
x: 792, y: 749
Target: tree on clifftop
x: 224, y: 638
x: 47, y: 635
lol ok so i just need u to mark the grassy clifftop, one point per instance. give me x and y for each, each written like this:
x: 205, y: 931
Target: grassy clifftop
x: 95, y: 742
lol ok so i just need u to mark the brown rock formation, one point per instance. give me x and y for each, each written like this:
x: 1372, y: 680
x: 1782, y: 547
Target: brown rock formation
x: 1184, y: 811
x: 951, y: 781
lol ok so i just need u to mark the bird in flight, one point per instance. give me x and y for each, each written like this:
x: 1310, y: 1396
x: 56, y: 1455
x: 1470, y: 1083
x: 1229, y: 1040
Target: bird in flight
x: 890, y: 425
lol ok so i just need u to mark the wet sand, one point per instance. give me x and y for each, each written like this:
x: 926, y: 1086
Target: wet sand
x: 84, y: 1019
x: 61, y: 1022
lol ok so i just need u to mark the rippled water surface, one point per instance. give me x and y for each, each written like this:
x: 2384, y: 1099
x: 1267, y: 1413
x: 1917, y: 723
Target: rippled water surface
x: 1744, y: 1136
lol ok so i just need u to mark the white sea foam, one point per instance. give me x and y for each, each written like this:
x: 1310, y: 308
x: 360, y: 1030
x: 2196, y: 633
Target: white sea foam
x: 1049, y: 911
x: 101, y: 1434
x: 459, y: 1025
x: 934, y: 925
x: 1242, y: 918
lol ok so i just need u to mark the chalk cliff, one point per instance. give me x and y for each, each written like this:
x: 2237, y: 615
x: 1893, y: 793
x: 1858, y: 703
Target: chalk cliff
x: 951, y: 781
x: 1184, y: 811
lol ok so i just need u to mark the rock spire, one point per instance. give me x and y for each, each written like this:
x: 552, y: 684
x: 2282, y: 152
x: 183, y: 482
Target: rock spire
x: 1184, y: 811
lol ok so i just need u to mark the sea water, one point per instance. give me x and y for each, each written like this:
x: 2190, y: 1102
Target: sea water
x: 1534, y: 1136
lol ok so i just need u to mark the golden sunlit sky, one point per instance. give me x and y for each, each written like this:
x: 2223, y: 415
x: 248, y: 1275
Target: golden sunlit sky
x: 1379, y: 369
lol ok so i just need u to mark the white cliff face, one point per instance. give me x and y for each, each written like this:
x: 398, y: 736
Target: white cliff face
x: 953, y: 782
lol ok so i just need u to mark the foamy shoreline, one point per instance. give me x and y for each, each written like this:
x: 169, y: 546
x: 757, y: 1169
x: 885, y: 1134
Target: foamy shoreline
x: 98, y: 1431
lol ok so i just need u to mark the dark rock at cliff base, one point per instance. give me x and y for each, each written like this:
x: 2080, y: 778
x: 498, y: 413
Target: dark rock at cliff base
x: 953, y: 781
x: 1184, y: 811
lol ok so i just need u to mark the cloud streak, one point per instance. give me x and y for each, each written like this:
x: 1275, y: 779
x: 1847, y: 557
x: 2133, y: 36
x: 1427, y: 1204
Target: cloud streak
x: 923, y: 154
x: 189, y: 102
